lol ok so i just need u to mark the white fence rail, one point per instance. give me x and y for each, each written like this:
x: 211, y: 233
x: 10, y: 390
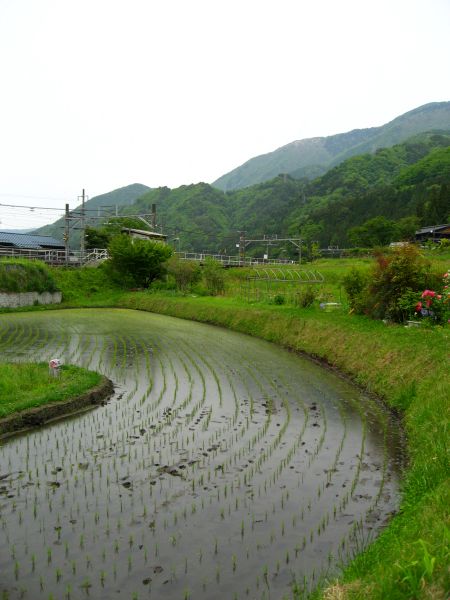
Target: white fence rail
x: 232, y: 260
x: 56, y: 257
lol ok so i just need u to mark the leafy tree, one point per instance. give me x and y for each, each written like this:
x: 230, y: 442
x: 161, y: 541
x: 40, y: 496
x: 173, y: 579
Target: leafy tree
x: 97, y: 238
x: 378, y: 231
x: 136, y: 262
x: 407, y: 227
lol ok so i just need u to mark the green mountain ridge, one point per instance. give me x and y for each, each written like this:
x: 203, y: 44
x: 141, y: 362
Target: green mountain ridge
x: 312, y: 156
x: 406, y: 180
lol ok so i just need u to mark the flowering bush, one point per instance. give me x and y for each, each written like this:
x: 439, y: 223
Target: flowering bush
x: 435, y: 306
x: 395, y: 284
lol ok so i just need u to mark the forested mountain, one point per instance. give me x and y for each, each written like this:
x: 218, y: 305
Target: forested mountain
x: 407, y: 180
x: 388, y: 193
x: 98, y: 205
x: 314, y: 156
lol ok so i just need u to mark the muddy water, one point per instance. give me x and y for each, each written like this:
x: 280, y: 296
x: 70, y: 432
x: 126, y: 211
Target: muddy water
x: 222, y: 468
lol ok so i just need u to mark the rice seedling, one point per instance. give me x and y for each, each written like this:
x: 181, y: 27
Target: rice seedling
x: 225, y: 451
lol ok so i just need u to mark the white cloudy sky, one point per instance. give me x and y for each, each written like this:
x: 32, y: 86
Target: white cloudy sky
x: 103, y: 93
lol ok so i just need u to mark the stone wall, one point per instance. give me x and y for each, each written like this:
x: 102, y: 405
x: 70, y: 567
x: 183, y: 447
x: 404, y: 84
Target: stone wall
x: 28, y: 299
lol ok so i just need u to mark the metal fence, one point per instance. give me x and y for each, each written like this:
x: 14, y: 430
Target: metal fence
x: 232, y: 261
x: 56, y: 257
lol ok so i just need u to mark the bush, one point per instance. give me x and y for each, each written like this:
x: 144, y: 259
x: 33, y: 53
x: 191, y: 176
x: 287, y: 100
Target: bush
x: 392, y: 285
x: 213, y: 276
x: 185, y: 273
x: 279, y: 299
x: 355, y: 283
x: 306, y: 297
x: 135, y: 262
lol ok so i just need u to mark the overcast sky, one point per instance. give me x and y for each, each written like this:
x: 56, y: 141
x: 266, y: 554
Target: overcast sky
x: 99, y: 94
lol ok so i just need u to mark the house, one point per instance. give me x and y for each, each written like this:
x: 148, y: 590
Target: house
x: 142, y: 234
x: 28, y: 241
x: 433, y: 233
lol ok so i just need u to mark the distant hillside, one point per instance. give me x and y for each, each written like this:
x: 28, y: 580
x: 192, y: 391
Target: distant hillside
x: 407, y: 180
x: 121, y: 197
x: 314, y: 156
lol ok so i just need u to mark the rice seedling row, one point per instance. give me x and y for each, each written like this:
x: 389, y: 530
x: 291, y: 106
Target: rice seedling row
x: 222, y: 466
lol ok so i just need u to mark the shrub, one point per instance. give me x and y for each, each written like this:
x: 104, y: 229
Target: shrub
x: 213, y: 276
x: 355, y: 283
x: 279, y: 299
x: 185, y: 273
x: 136, y: 262
x: 391, y: 281
x: 306, y: 297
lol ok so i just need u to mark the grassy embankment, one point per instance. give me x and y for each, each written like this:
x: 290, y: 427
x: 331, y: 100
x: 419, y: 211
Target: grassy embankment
x: 407, y: 367
x: 25, y: 385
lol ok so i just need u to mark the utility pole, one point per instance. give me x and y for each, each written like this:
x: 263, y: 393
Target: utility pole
x: 66, y: 234
x: 83, y: 226
x: 242, y: 247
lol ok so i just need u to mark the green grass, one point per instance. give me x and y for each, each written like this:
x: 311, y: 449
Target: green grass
x: 22, y: 275
x: 27, y: 385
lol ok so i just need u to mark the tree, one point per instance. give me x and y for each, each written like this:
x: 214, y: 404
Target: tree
x: 97, y: 238
x: 378, y: 231
x: 136, y: 262
x: 407, y: 228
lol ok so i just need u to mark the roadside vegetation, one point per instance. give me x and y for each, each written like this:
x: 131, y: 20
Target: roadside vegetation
x: 407, y: 367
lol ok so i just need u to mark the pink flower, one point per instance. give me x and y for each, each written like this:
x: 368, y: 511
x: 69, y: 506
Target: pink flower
x: 428, y: 293
x: 419, y: 306
x: 439, y: 296
x: 445, y: 274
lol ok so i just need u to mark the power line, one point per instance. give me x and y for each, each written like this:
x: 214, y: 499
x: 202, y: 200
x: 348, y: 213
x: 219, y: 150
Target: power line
x: 31, y: 207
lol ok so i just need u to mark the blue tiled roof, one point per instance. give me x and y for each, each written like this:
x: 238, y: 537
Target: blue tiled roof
x: 27, y: 240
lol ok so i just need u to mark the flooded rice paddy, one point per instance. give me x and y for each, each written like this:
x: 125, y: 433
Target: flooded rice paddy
x: 223, y: 467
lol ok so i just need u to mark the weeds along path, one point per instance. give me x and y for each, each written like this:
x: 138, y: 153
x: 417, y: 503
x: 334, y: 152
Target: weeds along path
x: 223, y: 466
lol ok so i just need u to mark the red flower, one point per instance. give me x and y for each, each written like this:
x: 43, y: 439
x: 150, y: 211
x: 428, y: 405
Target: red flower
x: 419, y: 306
x: 428, y: 293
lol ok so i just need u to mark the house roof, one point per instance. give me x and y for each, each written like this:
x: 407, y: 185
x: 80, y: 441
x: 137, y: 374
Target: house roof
x: 432, y: 228
x: 144, y: 233
x: 28, y: 240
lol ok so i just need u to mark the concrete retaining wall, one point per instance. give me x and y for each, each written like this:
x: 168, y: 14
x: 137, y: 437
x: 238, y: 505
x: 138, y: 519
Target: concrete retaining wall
x: 29, y: 298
